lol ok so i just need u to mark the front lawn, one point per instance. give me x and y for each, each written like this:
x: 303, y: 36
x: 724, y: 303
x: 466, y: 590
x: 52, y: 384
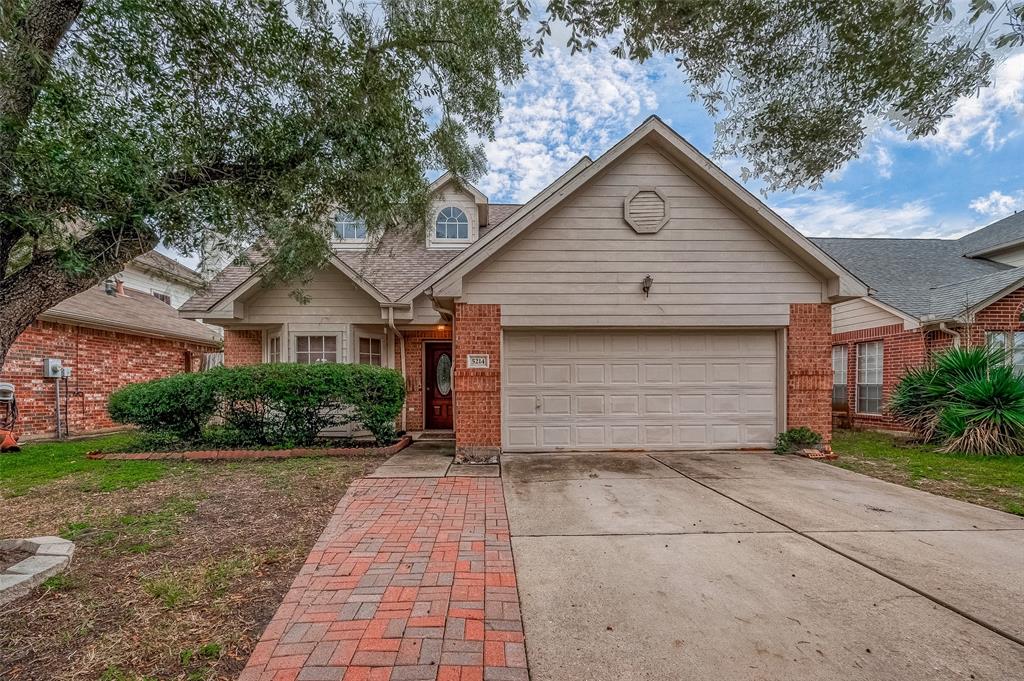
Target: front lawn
x: 993, y: 481
x: 178, y: 567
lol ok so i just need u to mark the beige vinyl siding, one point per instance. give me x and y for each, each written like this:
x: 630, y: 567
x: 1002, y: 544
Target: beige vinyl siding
x: 583, y: 264
x: 333, y: 299
x: 854, y: 315
x: 1013, y: 257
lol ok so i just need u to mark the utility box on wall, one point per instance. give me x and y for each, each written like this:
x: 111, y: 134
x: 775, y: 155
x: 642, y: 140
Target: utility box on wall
x: 52, y: 367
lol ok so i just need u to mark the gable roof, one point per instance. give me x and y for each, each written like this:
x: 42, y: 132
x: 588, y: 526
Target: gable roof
x: 134, y: 312
x: 168, y: 267
x: 657, y: 132
x: 999, y: 235
x: 929, y: 279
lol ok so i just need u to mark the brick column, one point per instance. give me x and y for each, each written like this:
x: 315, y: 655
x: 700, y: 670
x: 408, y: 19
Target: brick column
x: 477, y: 391
x: 242, y: 347
x: 809, y: 368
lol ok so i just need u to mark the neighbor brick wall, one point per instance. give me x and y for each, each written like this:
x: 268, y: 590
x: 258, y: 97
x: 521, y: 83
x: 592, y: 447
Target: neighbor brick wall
x: 809, y: 368
x: 1002, y: 315
x: 414, y: 370
x: 477, y: 391
x: 242, y: 346
x: 100, y: 362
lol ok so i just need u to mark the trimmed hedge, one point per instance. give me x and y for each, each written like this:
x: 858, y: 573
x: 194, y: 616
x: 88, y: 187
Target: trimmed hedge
x: 266, y: 404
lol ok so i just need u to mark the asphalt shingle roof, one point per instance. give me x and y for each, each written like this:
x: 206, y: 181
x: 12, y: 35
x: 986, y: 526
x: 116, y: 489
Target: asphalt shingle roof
x: 1006, y: 231
x: 159, y: 261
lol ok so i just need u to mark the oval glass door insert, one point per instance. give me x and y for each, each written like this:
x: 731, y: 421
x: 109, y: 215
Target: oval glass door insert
x: 444, y: 374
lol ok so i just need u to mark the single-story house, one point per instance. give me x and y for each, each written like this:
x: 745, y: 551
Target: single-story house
x: 925, y: 295
x: 642, y: 300
x: 108, y: 336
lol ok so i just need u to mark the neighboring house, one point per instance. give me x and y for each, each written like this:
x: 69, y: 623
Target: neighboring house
x: 642, y: 300
x: 926, y: 295
x: 109, y: 336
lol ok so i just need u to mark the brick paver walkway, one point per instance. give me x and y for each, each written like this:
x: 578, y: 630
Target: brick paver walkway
x: 411, y: 580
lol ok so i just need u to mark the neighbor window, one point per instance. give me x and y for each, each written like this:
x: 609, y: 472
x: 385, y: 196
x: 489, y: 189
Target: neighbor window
x: 1012, y: 343
x: 162, y: 297
x: 370, y: 351
x: 274, y: 349
x: 316, y: 349
x: 451, y: 224
x: 869, y: 378
x: 349, y: 228
x: 839, y: 375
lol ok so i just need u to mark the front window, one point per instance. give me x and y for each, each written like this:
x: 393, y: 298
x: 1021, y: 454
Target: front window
x: 1010, y: 342
x: 452, y: 224
x: 316, y: 349
x: 839, y: 375
x: 370, y: 351
x: 869, y: 378
x: 349, y: 228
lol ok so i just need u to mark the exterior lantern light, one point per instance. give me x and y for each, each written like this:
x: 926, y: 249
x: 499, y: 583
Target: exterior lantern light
x: 648, y: 282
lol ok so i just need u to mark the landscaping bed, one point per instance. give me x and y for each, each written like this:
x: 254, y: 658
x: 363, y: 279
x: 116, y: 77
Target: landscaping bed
x: 993, y: 481
x: 179, y: 565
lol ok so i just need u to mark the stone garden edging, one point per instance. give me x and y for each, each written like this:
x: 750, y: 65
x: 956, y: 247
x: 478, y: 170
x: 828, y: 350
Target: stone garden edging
x: 51, y: 555
x: 236, y: 454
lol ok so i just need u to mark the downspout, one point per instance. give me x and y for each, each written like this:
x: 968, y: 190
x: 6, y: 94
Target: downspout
x: 440, y: 310
x: 401, y: 345
x: 951, y: 332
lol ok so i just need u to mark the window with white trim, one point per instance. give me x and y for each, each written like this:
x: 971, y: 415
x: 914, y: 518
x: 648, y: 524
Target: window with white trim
x: 370, y: 350
x: 1012, y: 342
x: 839, y: 375
x: 869, y: 377
x: 451, y: 225
x: 274, y: 349
x: 316, y: 349
x: 161, y: 296
x: 347, y: 227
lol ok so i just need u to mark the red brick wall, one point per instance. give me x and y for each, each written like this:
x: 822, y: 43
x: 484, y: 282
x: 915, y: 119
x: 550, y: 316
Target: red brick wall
x: 1002, y: 315
x: 100, y: 362
x: 243, y: 346
x: 477, y: 391
x: 414, y: 371
x: 809, y: 368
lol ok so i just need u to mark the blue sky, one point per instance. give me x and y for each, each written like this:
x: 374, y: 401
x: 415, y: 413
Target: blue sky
x: 966, y: 176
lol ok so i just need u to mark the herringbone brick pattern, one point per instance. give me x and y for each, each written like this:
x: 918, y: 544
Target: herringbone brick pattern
x: 412, y: 580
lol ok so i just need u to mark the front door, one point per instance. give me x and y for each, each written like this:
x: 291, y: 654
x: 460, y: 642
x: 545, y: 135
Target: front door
x: 437, y: 384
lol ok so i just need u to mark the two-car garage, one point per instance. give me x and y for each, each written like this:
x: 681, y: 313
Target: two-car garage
x: 605, y: 389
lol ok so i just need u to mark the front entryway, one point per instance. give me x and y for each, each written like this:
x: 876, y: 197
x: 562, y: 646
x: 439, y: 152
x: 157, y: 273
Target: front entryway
x: 437, y: 385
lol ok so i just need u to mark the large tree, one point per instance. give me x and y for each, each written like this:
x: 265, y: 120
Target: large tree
x: 124, y: 123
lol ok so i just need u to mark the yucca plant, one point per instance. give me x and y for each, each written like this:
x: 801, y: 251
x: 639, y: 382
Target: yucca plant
x: 966, y: 399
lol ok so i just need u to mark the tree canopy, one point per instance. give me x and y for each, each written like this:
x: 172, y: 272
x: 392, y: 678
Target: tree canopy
x: 125, y: 123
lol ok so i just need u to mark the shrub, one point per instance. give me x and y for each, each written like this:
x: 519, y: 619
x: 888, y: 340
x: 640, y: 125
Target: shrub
x: 795, y: 439
x: 376, y: 396
x: 967, y: 400
x: 180, y: 405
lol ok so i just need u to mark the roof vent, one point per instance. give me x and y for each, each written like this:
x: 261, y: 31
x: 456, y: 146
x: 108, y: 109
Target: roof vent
x: 646, y: 210
x: 110, y: 287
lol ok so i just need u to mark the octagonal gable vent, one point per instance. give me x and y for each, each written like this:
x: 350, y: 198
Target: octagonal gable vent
x: 646, y: 210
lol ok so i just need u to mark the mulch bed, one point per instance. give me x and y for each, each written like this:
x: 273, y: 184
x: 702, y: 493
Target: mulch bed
x: 175, y: 579
x: 235, y: 454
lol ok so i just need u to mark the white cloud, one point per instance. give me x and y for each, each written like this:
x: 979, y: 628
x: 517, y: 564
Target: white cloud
x: 834, y: 214
x: 998, y: 204
x: 567, y: 106
x: 985, y: 116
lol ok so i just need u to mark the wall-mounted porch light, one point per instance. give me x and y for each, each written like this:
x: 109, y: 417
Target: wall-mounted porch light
x: 647, y: 283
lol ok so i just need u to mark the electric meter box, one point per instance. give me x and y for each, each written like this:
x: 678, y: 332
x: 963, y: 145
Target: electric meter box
x: 52, y: 368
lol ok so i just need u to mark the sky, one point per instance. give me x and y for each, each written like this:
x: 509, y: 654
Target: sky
x: 967, y: 175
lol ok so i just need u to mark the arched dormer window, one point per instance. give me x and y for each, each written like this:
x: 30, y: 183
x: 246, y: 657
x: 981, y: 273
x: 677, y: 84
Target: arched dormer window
x: 451, y: 225
x: 347, y: 227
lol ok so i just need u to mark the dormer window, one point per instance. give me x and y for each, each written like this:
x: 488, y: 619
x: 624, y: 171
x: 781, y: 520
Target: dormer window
x: 349, y: 228
x: 451, y: 225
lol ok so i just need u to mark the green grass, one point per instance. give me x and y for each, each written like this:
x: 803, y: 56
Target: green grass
x: 40, y: 463
x: 995, y: 481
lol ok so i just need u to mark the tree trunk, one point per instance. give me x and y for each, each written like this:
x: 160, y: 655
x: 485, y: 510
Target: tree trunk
x: 43, y: 283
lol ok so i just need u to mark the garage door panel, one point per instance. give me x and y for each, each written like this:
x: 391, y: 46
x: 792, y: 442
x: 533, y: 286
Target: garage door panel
x: 608, y: 390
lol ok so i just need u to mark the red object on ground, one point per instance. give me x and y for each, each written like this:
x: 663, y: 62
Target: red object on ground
x: 411, y: 577
x: 8, y: 443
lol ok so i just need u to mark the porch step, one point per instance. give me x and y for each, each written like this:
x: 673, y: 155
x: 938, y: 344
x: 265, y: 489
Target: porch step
x: 432, y: 435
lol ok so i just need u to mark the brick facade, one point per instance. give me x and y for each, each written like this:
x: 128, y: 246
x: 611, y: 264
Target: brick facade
x: 242, y: 347
x: 100, y: 362
x: 809, y: 368
x: 414, y: 371
x: 477, y: 391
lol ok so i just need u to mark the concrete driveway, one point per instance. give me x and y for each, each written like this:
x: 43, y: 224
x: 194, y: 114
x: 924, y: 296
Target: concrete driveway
x: 754, y: 566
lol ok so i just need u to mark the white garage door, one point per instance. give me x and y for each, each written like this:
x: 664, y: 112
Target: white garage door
x: 597, y: 390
